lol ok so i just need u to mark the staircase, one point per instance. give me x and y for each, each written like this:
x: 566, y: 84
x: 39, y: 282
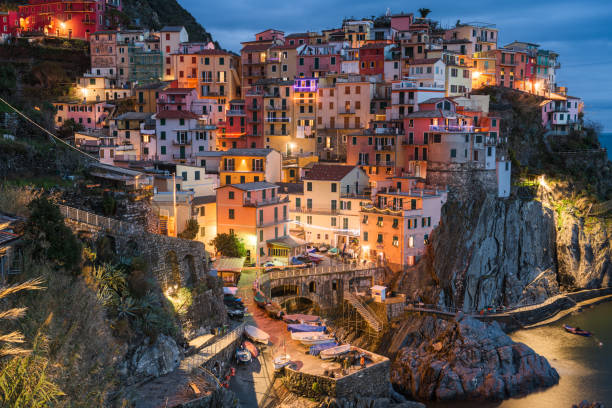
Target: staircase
x: 364, y: 312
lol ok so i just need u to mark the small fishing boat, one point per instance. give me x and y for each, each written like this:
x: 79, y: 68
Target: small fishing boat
x: 257, y: 335
x: 260, y: 299
x: 317, y: 348
x: 274, y: 310
x: 334, y: 351
x: 281, y: 361
x: 305, y: 328
x: 577, y: 330
x: 311, y: 338
x: 300, y: 318
x: 251, y: 347
x: 243, y: 355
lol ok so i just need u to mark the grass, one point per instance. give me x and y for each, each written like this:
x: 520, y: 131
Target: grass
x: 44, y: 182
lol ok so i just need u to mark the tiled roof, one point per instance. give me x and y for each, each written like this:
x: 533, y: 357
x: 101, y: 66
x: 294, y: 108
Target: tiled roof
x: 374, y: 45
x: 175, y: 29
x: 431, y: 114
x: 213, y: 52
x: 333, y: 172
x: 296, y: 35
x: 247, y: 152
x: 257, y: 47
x: 256, y: 185
x: 291, y: 188
x: 178, y: 90
x: 134, y: 116
x: 424, y: 61
x: 201, y: 200
x: 153, y: 85
x: 436, y: 100
x: 175, y: 114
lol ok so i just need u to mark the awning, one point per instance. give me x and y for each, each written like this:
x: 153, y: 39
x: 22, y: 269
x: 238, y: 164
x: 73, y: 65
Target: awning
x: 286, y: 242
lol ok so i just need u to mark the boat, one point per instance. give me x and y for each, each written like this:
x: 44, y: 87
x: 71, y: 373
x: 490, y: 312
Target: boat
x: 230, y: 290
x: 317, y: 348
x: 305, y: 328
x: 260, y: 299
x: 323, y: 248
x: 577, y: 330
x: 274, y: 310
x: 257, y: 335
x: 300, y: 318
x: 243, y: 355
x: 334, y: 351
x: 311, y: 338
x: 281, y: 361
x: 251, y: 347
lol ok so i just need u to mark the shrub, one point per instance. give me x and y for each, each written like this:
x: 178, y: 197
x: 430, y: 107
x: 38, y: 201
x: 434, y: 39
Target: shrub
x: 229, y: 245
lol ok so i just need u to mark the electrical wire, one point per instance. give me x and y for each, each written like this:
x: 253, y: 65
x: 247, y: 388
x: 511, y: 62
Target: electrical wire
x: 46, y: 131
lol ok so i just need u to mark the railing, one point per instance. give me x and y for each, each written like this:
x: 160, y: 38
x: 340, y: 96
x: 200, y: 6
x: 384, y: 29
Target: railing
x: 235, y: 112
x: 350, y: 111
x: 451, y: 128
x: 318, y: 270
x: 275, y: 107
x: 272, y: 119
x: 96, y: 220
x: 256, y: 203
x: 384, y: 163
x: 364, y: 311
x: 181, y: 142
x: 384, y: 147
x: 354, y: 195
x: 205, y: 354
x: 320, y: 67
x: 182, y: 156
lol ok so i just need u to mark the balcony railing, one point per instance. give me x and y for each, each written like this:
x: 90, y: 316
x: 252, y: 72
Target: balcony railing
x: 282, y: 107
x: 451, y: 128
x: 184, y: 142
x: 272, y: 119
x: 251, y: 120
x: 268, y: 201
x: 349, y: 111
x: 320, y: 67
x: 384, y: 147
x: 182, y: 156
x: 235, y: 112
x: 385, y: 163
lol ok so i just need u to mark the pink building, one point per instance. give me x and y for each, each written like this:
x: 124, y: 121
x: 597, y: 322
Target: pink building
x: 314, y: 61
x: 561, y: 114
x: 92, y: 115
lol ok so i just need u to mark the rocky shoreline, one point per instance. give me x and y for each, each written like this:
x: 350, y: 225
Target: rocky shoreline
x: 466, y: 359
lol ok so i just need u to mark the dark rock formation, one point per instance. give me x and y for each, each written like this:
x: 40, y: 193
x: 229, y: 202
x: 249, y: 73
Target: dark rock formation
x: 467, y: 359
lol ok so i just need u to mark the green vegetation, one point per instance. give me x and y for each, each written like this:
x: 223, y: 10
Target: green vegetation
x: 191, y: 229
x: 50, y: 238
x: 229, y: 245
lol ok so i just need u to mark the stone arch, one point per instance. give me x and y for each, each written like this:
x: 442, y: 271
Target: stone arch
x: 284, y: 290
x: 298, y: 303
x: 173, y: 270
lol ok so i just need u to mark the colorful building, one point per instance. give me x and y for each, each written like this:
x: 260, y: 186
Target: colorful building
x: 92, y: 115
x: 259, y: 215
x: 240, y: 166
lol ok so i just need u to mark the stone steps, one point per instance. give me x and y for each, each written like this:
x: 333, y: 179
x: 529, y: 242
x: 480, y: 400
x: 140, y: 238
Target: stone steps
x: 364, y: 312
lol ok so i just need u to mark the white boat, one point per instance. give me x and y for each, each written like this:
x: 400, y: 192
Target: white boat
x: 256, y: 334
x: 281, y: 361
x: 310, y: 338
x: 334, y: 351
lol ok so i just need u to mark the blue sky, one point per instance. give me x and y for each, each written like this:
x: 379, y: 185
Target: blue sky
x: 579, y: 30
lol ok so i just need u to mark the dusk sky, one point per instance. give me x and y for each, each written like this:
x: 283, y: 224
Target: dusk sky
x: 579, y: 30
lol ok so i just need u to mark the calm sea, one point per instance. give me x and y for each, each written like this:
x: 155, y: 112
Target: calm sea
x: 606, y: 141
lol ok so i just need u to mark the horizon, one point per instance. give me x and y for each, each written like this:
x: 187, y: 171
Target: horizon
x: 232, y: 22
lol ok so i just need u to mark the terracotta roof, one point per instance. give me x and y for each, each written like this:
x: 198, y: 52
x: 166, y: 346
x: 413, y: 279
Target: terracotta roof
x: 213, y: 52
x: 334, y: 172
x: 201, y: 200
x: 254, y: 186
x: 431, y: 114
x: 178, y: 90
x: 424, y: 61
x: 175, y: 114
x: 257, y: 47
x: 248, y: 152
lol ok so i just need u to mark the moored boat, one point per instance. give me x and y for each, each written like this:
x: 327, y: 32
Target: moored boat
x: 334, y: 351
x: 300, y: 318
x: 256, y: 334
x: 317, y: 348
x: 243, y: 355
x: 274, y: 310
x: 260, y: 299
x: 577, y: 330
x: 281, y: 361
x: 311, y: 338
x: 305, y: 328
x: 251, y: 347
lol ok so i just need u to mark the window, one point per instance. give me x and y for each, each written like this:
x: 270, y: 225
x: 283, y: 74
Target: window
x: 333, y: 221
x: 309, y: 220
x: 379, y: 239
x: 309, y: 186
x: 334, y: 187
x: 202, y: 211
x: 231, y: 214
x: 453, y: 153
x: 231, y: 195
x: 163, y: 149
x: 365, y: 236
x: 395, y: 241
x: 309, y: 203
x: 334, y: 205
x: 379, y: 222
x: 365, y: 219
x: 395, y: 223
x: 202, y: 231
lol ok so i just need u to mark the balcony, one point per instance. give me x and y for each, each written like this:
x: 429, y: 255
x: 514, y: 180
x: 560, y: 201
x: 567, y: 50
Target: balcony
x: 252, y: 120
x: 184, y: 142
x: 271, y: 223
x: 451, y: 128
x: 252, y: 62
x: 272, y: 119
x: 272, y: 95
x: 269, y: 201
x: 319, y: 211
x: 359, y: 195
x: 384, y: 147
x: 182, y: 156
x: 345, y: 111
x: 235, y: 112
x: 278, y: 133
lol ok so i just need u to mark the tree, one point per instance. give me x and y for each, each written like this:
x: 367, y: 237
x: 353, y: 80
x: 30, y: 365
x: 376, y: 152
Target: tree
x: 50, y: 237
x: 229, y: 245
x: 191, y: 229
x: 424, y: 12
x: 68, y: 128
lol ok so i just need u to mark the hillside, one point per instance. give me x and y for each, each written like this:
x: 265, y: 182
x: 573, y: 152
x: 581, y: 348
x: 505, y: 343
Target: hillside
x: 153, y: 14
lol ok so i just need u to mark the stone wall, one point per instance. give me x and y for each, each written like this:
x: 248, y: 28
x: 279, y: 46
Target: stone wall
x: 458, y: 178
x: 372, y: 381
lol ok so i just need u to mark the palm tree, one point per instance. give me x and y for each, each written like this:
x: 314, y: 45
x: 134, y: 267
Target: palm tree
x: 424, y: 12
x: 15, y: 337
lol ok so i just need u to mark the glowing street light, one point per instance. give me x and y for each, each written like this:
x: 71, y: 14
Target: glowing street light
x: 476, y: 74
x: 63, y: 25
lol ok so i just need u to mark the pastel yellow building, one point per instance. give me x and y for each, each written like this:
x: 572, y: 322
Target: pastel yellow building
x: 239, y: 166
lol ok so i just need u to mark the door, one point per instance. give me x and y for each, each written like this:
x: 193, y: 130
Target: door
x: 182, y: 151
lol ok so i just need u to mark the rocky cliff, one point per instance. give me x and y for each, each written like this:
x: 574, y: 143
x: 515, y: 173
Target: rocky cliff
x: 466, y: 359
x: 509, y: 252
